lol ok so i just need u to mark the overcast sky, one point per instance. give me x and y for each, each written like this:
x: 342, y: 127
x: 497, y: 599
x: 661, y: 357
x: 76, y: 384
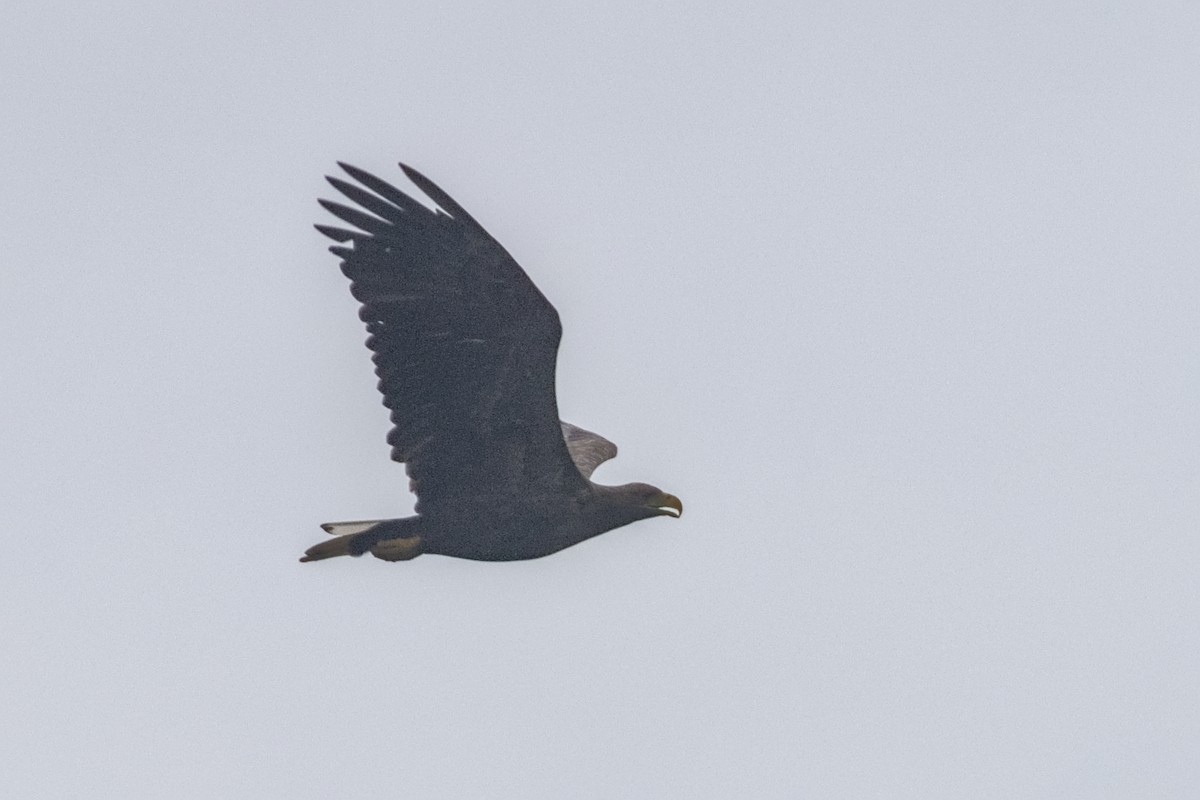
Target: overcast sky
x: 901, y: 300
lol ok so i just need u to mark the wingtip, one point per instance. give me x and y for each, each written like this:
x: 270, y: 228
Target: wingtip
x: 412, y: 172
x: 437, y: 194
x: 337, y: 234
x: 359, y: 174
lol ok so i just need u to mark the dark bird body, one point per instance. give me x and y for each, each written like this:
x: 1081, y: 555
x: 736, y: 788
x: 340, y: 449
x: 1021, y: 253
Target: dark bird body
x: 465, y: 346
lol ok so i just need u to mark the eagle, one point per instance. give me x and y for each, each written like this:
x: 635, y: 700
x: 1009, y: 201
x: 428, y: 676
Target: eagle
x: 464, y: 346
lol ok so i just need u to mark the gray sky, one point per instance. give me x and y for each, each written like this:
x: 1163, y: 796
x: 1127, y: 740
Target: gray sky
x: 901, y: 300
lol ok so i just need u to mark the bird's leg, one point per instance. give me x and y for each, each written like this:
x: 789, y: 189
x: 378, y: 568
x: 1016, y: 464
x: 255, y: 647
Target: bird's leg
x: 397, y: 549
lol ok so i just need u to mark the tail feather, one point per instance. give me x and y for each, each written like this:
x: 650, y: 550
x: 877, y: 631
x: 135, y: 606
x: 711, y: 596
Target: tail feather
x: 358, y: 537
x: 339, y: 546
x: 357, y: 526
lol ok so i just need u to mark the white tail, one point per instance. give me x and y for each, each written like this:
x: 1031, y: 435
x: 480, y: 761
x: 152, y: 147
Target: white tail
x: 350, y: 528
x: 389, y: 539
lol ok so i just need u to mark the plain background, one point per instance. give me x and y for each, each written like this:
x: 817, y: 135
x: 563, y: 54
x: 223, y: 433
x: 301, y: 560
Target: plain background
x: 901, y: 299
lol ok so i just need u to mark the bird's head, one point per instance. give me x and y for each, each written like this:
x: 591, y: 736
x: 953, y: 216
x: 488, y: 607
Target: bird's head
x: 649, y: 501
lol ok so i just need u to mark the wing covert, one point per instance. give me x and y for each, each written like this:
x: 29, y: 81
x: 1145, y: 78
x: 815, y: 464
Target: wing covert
x: 588, y: 450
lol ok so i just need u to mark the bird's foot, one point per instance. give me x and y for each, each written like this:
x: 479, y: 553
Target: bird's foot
x: 397, y: 549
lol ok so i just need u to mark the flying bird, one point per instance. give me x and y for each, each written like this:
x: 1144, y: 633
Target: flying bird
x: 465, y: 346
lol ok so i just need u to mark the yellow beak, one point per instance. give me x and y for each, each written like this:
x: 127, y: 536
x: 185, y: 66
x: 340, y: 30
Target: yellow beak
x: 665, y: 500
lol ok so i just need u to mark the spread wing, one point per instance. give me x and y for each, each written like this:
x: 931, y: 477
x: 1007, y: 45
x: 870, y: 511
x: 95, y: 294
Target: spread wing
x: 588, y: 450
x: 464, y: 345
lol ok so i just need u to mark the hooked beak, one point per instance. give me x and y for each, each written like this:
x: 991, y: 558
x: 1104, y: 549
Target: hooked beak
x: 665, y: 501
